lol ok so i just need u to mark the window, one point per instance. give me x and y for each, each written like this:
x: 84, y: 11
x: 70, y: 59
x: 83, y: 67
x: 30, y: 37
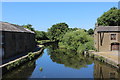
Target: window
x: 113, y: 36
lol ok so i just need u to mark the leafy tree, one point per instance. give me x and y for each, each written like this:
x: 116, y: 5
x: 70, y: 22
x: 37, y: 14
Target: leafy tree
x: 41, y: 35
x: 78, y: 40
x: 29, y: 26
x: 110, y: 18
x: 85, y: 30
x: 57, y: 31
x: 90, y: 31
x: 73, y: 29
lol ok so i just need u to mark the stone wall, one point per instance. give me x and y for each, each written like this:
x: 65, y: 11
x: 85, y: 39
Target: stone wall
x: 102, y: 40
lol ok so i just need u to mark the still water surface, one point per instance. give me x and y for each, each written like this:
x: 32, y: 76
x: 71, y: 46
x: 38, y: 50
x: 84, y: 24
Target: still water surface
x: 59, y: 63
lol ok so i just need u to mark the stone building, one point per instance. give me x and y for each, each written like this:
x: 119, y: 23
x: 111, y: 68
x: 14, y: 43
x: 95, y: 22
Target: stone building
x: 15, y: 39
x: 107, y: 38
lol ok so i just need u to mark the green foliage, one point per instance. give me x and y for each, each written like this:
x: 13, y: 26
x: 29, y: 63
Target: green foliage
x: 17, y: 63
x: 92, y: 55
x: 41, y: 68
x: 29, y: 26
x: 14, y: 64
x: 90, y: 31
x: 73, y: 29
x: 110, y: 18
x: 41, y: 35
x: 10, y: 66
x: 31, y: 56
x: 102, y: 59
x: 57, y: 31
x: 78, y: 40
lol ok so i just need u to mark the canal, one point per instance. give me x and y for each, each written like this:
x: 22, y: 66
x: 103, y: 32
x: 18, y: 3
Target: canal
x: 62, y: 63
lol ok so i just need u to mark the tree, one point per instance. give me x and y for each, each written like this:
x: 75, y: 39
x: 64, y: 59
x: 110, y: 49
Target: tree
x: 57, y: 31
x: 78, y: 40
x: 41, y: 35
x: 110, y: 18
x: 29, y: 26
x: 90, y: 31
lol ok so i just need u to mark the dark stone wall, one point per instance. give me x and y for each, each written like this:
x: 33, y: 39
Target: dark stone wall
x: 16, y: 43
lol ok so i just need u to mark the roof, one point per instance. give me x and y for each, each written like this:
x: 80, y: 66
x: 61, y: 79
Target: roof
x: 4, y: 26
x: 108, y: 29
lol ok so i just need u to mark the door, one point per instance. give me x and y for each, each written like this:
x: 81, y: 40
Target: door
x: 115, y: 46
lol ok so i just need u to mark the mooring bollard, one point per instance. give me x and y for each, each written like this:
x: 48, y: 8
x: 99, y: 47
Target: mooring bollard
x: 85, y: 53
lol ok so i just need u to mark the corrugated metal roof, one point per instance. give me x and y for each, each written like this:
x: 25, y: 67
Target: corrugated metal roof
x: 4, y: 26
x: 108, y: 29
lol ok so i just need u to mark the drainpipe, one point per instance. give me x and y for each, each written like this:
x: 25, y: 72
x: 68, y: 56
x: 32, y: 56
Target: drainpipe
x: 98, y: 41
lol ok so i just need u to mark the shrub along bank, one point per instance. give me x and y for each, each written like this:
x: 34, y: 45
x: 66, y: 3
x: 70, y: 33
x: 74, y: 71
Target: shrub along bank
x: 18, y: 62
x: 77, y: 40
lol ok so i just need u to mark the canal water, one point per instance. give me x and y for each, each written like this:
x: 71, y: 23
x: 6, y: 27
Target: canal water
x: 61, y: 63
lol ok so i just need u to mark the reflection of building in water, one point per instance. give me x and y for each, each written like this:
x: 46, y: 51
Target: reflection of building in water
x: 105, y: 71
x: 24, y: 71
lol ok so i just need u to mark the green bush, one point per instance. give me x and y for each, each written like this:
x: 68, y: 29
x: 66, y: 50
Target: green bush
x: 92, y: 55
x: 10, y: 66
x: 41, y: 35
x: 102, y: 59
x: 31, y: 56
x: 78, y: 40
x: 17, y: 63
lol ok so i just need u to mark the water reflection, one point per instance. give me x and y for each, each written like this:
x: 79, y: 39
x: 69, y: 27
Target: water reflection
x: 69, y: 59
x: 21, y: 72
x: 74, y: 60
x: 62, y: 63
x: 103, y: 71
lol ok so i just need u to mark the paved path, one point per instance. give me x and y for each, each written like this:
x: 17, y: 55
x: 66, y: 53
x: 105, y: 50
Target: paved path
x: 113, y: 56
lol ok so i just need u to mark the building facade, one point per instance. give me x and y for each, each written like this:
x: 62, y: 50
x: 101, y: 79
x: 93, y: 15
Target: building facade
x: 107, y: 38
x: 15, y: 40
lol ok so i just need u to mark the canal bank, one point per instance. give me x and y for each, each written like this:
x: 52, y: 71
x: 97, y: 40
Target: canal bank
x: 61, y: 63
x: 111, y: 58
x: 20, y: 61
